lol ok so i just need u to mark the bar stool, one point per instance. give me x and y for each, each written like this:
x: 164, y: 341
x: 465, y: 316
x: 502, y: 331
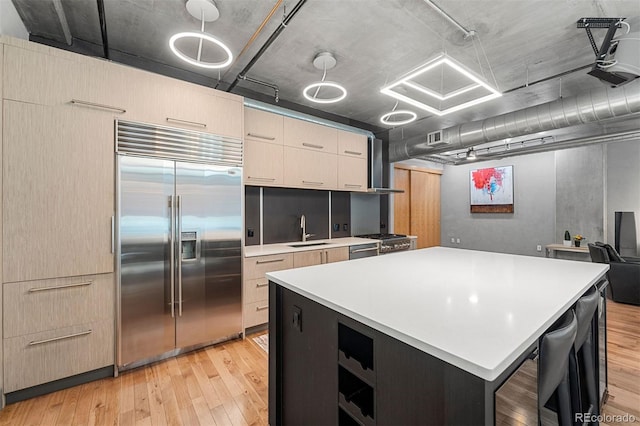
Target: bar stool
x: 582, y: 367
x: 554, y: 349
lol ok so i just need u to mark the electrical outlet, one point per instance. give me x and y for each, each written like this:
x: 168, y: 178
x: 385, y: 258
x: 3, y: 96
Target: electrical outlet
x: 249, y: 232
x: 345, y: 227
x: 457, y: 240
x: 453, y: 240
x: 539, y: 247
x: 336, y: 227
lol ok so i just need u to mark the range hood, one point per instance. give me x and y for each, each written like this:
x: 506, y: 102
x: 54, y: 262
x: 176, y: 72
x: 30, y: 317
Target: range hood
x: 375, y: 168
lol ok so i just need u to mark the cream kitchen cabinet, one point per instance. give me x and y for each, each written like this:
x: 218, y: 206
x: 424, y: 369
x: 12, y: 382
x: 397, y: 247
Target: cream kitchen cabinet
x: 255, y: 292
x: 319, y: 257
x: 352, y: 173
x: 352, y: 144
x: 307, y: 135
x: 263, y: 163
x: 263, y: 126
x: 57, y: 328
x: 58, y: 191
x: 309, y: 169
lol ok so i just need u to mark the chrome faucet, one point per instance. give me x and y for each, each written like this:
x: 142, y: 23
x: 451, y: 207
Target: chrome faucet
x: 303, y: 227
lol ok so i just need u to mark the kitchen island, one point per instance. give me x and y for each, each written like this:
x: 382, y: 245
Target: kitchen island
x: 419, y: 337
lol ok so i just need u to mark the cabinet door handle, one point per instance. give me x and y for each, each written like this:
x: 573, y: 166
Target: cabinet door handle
x: 365, y: 249
x: 352, y: 185
x: 262, y: 308
x: 255, y: 135
x: 261, y: 178
x: 352, y: 152
x: 113, y: 234
x: 308, y: 182
x: 262, y: 285
x: 99, y: 106
x: 59, y: 287
x: 261, y: 262
x: 189, y: 123
x: 311, y: 145
x: 54, y: 339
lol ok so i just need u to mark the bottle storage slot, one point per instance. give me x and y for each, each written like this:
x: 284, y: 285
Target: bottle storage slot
x: 356, y: 345
x: 345, y: 419
x: 356, y: 395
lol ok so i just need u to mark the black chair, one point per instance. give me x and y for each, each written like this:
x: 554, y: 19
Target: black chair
x: 582, y: 368
x: 623, y: 275
x: 554, y: 349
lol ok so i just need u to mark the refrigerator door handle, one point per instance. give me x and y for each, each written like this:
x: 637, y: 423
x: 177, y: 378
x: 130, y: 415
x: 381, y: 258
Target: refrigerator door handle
x: 179, y: 239
x: 172, y: 243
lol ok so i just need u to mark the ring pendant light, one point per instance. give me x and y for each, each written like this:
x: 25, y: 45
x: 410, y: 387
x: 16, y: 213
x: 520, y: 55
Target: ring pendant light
x: 324, y: 61
x: 206, y: 11
x: 385, y: 119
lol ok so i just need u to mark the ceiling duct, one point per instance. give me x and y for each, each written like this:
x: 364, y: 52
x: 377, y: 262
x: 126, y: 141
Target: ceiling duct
x: 596, y: 105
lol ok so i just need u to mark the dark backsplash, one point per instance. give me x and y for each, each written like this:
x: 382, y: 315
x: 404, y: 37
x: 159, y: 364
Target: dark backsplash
x: 283, y: 208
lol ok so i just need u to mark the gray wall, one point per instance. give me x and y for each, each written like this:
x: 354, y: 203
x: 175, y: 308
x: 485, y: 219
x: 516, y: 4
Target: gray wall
x: 576, y: 190
x: 580, y: 189
x: 623, y: 184
x: 532, y: 223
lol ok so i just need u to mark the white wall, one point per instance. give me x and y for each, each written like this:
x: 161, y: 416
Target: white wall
x: 10, y: 22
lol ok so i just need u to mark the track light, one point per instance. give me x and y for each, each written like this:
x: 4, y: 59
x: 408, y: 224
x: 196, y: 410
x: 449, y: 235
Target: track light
x: 471, y: 154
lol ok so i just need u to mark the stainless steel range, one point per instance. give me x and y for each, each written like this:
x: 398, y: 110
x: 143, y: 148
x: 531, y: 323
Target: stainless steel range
x: 390, y: 243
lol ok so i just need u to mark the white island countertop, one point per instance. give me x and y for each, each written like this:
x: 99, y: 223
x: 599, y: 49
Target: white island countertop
x: 280, y: 248
x: 476, y: 310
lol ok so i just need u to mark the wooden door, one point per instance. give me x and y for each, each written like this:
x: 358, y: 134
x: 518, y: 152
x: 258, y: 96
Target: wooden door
x: 417, y: 210
x: 425, y: 208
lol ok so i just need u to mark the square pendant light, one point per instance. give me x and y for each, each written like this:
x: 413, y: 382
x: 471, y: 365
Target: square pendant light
x: 441, y: 86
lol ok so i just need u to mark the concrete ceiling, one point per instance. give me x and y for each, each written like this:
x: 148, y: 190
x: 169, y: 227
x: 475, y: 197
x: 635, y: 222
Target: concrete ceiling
x: 374, y: 41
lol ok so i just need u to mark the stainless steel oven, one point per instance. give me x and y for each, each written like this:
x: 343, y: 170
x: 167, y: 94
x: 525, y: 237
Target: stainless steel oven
x: 364, y: 250
x: 390, y: 243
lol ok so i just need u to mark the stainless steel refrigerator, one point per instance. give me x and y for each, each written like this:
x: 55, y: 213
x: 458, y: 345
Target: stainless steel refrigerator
x: 179, y: 233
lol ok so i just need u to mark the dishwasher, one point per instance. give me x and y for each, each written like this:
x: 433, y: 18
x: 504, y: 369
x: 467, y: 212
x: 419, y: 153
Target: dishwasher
x: 363, y: 250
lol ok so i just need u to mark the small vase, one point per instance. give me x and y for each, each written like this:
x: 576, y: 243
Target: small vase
x: 577, y: 243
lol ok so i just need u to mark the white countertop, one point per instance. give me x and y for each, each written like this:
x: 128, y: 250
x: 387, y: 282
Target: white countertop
x: 268, y: 249
x: 476, y: 310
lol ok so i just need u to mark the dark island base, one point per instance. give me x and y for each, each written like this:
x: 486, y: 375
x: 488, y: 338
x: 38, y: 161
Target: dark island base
x: 326, y: 368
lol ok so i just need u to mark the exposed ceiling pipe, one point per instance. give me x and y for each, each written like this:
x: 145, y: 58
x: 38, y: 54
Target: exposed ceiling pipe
x: 596, y: 105
x: 449, y: 18
x: 266, y: 45
x: 103, y: 28
x: 62, y: 17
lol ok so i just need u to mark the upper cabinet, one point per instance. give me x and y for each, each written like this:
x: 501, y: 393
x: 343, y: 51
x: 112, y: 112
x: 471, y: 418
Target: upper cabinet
x: 284, y: 151
x: 47, y: 76
x: 306, y: 135
x: 263, y: 126
x: 352, y: 144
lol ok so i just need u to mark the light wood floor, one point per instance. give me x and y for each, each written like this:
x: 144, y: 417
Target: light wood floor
x: 227, y: 385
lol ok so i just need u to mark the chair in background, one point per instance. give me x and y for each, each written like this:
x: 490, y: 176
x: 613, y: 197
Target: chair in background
x: 554, y: 349
x: 623, y: 275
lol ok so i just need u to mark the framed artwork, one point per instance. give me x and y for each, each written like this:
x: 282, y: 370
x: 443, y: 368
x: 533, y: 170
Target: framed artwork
x: 491, y: 190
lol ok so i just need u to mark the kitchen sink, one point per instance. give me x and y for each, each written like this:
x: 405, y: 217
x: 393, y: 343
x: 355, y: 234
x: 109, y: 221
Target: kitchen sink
x: 307, y: 244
